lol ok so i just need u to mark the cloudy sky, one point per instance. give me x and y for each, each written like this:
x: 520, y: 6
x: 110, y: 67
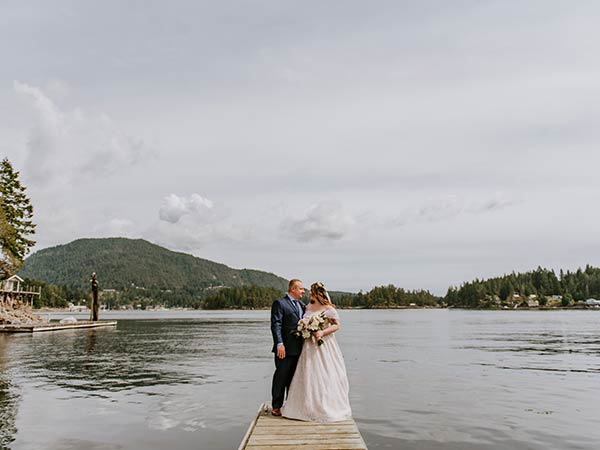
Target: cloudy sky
x: 419, y: 143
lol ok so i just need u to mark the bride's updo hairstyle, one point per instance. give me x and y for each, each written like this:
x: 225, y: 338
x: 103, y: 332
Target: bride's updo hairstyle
x: 320, y: 294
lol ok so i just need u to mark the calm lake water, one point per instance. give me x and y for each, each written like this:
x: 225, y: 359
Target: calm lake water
x: 419, y: 379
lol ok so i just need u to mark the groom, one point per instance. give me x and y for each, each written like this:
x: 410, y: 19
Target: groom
x: 285, y: 314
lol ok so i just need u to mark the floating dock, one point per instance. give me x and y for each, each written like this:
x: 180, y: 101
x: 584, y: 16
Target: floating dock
x: 54, y: 326
x: 267, y: 432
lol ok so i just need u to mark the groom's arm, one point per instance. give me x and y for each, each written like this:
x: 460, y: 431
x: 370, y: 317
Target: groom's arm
x: 276, y: 327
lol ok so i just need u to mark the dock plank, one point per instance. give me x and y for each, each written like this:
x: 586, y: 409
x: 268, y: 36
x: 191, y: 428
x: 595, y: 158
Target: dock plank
x: 54, y: 326
x: 267, y: 432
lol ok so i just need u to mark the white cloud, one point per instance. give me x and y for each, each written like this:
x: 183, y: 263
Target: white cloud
x: 446, y: 207
x: 192, y: 223
x: 64, y: 146
x: 496, y: 202
x: 175, y: 207
x: 328, y: 221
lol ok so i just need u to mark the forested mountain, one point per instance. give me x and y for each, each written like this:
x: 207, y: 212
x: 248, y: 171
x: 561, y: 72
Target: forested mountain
x: 137, y: 268
x: 542, y: 283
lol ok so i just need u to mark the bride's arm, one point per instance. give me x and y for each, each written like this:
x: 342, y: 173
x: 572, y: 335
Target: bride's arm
x: 335, y: 325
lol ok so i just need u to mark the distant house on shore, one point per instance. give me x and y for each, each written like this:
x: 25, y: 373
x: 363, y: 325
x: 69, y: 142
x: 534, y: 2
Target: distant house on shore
x: 532, y: 301
x: 592, y: 302
x: 77, y: 308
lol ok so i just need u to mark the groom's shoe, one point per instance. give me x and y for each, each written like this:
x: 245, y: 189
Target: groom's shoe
x: 276, y: 411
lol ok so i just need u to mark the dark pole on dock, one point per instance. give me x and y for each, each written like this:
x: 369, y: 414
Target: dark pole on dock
x: 95, y: 306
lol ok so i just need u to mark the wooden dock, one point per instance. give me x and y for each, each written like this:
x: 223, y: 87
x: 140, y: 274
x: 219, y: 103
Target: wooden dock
x: 54, y: 326
x: 267, y: 432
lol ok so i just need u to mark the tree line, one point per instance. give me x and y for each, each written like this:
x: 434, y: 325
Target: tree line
x: 543, y: 283
x: 56, y: 296
x: 379, y: 297
x: 388, y: 296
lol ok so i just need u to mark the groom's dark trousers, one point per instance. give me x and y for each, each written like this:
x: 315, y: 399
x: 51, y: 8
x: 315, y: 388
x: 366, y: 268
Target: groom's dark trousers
x: 285, y: 314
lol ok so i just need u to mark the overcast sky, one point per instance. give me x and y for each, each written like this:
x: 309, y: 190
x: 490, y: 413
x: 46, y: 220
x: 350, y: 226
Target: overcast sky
x: 418, y: 143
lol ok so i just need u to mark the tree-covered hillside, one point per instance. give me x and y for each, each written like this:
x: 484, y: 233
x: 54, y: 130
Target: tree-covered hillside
x: 136, y: 265
x: 513, y: 288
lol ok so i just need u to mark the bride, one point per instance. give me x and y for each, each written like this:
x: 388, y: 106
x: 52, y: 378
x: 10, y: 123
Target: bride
x: 319, y: 389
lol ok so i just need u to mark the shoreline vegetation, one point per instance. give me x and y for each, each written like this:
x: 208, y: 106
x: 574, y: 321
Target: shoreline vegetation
x: 576, y: 307
x: 137, y: 274
x: 539, y: 289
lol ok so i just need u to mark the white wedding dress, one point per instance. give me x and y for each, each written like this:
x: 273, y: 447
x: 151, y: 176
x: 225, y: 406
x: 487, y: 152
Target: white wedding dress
x: 319, y: 389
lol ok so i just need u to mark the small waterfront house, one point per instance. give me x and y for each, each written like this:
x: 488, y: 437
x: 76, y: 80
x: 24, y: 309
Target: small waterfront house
x: 13, y: 292
x: 12, y: 284
x: 592, y: 302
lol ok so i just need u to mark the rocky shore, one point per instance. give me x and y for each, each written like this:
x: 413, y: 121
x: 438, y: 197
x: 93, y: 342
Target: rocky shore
x: 18, y: 316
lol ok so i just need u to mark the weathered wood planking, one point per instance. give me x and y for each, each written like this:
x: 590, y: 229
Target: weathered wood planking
x: 267, y: 432
x: 53, y: 326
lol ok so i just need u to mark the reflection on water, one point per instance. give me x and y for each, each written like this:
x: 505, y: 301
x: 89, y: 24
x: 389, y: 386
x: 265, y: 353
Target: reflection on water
x: 475, y: 379
x: 574, y: 350
x: 139, y: 354
x: 145, y: 384
x: 419, y: 379
x: 8, y: 401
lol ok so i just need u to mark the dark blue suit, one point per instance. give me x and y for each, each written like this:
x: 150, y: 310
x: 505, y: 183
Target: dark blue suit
x: 284, y: 319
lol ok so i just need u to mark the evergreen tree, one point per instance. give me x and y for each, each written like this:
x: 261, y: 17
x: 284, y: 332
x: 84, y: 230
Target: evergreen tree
x: 7, y: 261
x: 505, y: 290
x: 16, y: 217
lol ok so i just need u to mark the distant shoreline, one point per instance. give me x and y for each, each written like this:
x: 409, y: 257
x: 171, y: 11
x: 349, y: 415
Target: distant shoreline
x: 85, y: 311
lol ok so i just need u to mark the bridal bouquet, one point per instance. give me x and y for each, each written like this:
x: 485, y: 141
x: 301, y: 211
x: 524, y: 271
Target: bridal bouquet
x: 308, y: 326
